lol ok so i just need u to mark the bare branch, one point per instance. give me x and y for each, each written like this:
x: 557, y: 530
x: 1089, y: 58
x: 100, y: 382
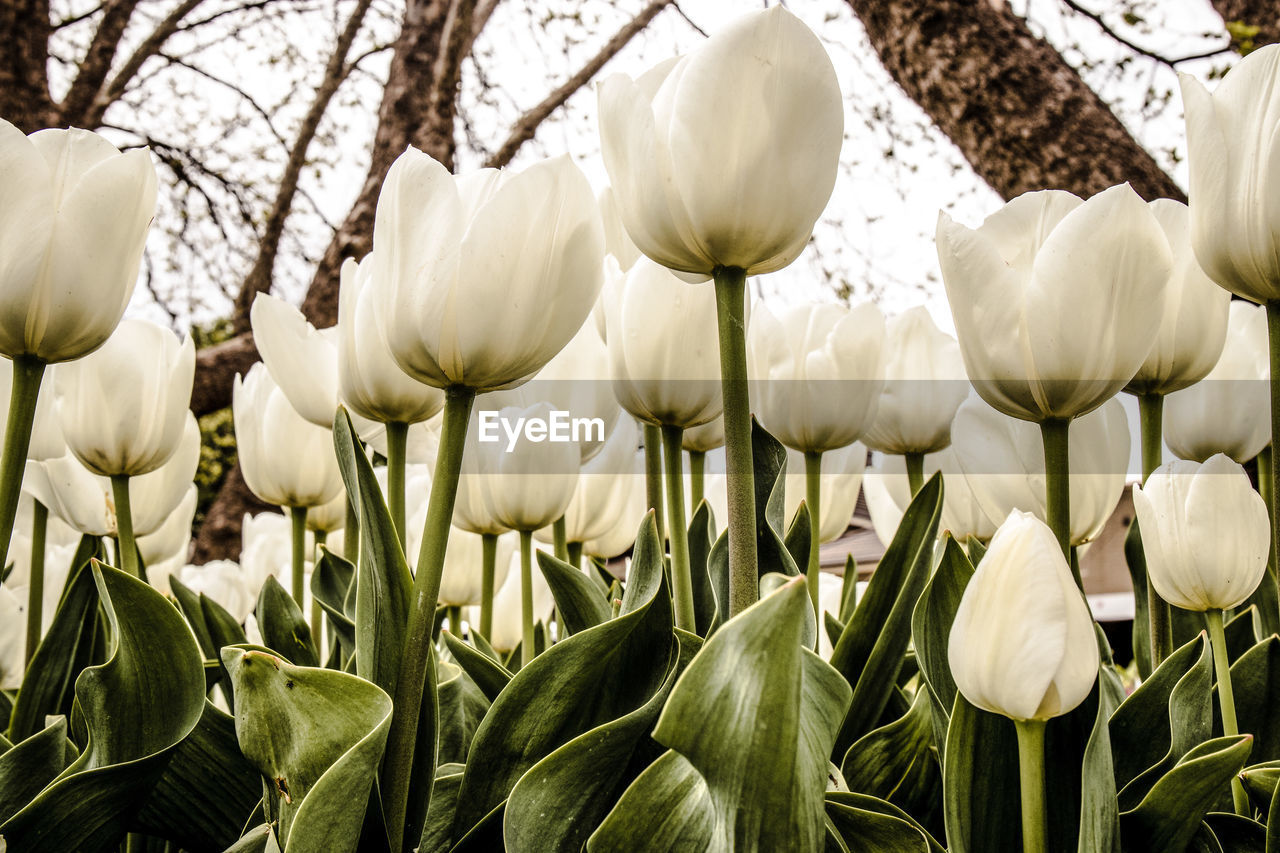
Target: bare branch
x: 93, y: 69
x: 1172, y: 62
x: 75, y: 19
x: 680, y: 11
x: 24, y: 79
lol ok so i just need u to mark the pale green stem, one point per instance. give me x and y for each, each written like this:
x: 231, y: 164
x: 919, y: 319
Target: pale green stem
x: 35, y: 591
x: 653, y: 474
x: 813, y: 497
x: 417, y: 661
x: 697, y: 475
x: 1057, y: 482
x: 731, y: 293
x: 488, y: 566
x: 561, y: 539
x: 1151, y: 418
x: 455, y: 621
x: 27, y: 373
x: 1226, y: 700
x: 915, y: 471
x: 321, y: 537
x: 128, y: 548
x: 397, y: 443
x: 575, y: 554
x: 298, y: 517
x: 1031, y: 776
x: 681, y: 574
x: 526, y: 598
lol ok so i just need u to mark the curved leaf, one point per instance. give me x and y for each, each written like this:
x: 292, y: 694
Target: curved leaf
x: 841, y: 803
x: 462, y: 707
x: 489, y: 675
x: 284, y: 626
x: 667, y: 807
x: 1255, y: 678
x: 29, y: 766
x: 578, y: 600
x: 898, y: 762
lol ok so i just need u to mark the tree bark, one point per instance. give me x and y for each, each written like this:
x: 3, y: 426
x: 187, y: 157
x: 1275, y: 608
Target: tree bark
x: 1022, y: 117
x: 219, y: 537
x: 24, y: 55
x: 1263, y: 14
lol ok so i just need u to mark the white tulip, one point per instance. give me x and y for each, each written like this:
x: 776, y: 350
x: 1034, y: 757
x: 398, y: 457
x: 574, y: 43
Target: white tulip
x: 173, y: 537
x: 887, y: 489
x: 302, y: 361
x: 603, y: 488
x: 705, y: 437
x: 224, y: 582
x: 841, y: 482
x: 508, y: 626
x: 530, y: 485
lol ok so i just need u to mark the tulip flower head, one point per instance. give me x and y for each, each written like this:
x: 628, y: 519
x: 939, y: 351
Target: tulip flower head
x: 530, y: 485
x: 302, y: 360
x: 1022, y: 643
x: 842, y: 471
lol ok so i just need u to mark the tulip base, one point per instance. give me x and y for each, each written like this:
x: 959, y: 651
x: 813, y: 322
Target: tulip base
x: 813, y: 498
x: 35, y: 588
x: 27, y: 375
x: 1031, y: 777
x: 1151, y: 415
x: 575, y: 554
x: 126, y: 546
x: 915, y: 471
x: 488, y: 566
x: 681, y: 574
x: 653, y: 474
x: 1226, y: 700
x: 731, y: 296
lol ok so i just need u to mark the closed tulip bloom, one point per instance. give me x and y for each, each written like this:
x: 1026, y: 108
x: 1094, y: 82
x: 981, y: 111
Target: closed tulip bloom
x: 123, y: 408
x: 924, y: 385
x: 1022, y: 643
x: 461, y: 583
x: 224, y: 582
x: 766, y: 83
x: 617, y: 242
x: 887, y: 490
x: 172, y: 538
x: 1229, y: 411
x: 330, y: 516
x: 285, y: 459
x: 1056, y: 301
x: 529, y: 486
x: 603, y: 489
x: 302, y: 361
x: 704, y: 438
x: 1003, y: 460
x: 370, y: 383
x: 483, y: 278
x: 46, y: 430
x: 1234, y: 216
x: 1205, y: 532
x: 841, y: 482
x: 75, y: 218
x: 818, y: 372
x: 621, y: 535
x: 662, y: 347
x: 1194, y: 325
x: 507, y: 615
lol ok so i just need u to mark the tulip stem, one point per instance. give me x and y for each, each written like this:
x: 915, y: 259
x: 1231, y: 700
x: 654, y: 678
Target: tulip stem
x: 35, y: 590
x: 915, y: 471
x: 417, y: 661
x: 681, y: 573
x: 575, y: 554
x: 526, y: 598
x: 298, y: 519
x: 1226, y: 699
x: 653, y: 474
x: 27, y: 373
x: 1273, y: 338
x: 1031, y: 776
x: 127, y: 547
x: 744, y: 577
x: 561, y: 539
x: 455, y: 622
x: 1057, y: 482
x: 1151, y: 417
x: 488, y: 566
x: 697, y: 474
x: 397, y: 443
x: 813, y: 498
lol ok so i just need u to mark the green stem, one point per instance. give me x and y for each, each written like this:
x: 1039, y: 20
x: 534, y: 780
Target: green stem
x: 681, y: 573
x: 1151, y: 418
x: 1226, y: 699
x: 526, y: 598
x: 417, y: 662
x: 27, y: 373
x: 813, y: 497
x: 351, y: 535
x: 697, y: 475
x: 731, y: 294
x: 298, y: 517
x: 1031, y: 776
x: 1273, y: 336
x: 397, y: 443
x: 128, y: 550
x: 575, y: 554
x: 561, y: 539
x: 35, y: 591
x: 488, y: 565
x: 1057, y: 481
x: 653, y: 474
x: 915, y: 471
x: 320, y: 537
x: 455, y: 621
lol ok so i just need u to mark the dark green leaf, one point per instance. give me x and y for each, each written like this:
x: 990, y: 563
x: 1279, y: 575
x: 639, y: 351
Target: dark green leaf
x: 29, y: 766
x: 489, y: 675
x: 981, y: 792
x: 1255, y: 678
x: 578, y: 601
x: 283, y: 625
x: 462, y: 707
x: 898, y: 762
x: 667, y: 807
x: 701, y: 538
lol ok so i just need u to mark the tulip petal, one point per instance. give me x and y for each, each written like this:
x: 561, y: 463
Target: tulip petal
x: 303, y: 363
x: 1220, y: 498
x: 26, y: 230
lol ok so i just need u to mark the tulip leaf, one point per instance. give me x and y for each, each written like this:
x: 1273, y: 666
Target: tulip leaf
x: 701, y: 539
x: 667, y: 807
x: 440, y: 811
x: 776, y: 705
x: 462, y: 707
x: 898, y: 763
x: 1260, y: 782
x: 489, y: 675
x: 859, y: 820
x: 833, y: 626
x: 137, y: 707
x: 1255, y: 677
x: 848, y: 590
x: 1136, y: 561
x: 1171, y: 812
x: 579, y: 603
x: 1235, y: 833
x: 1266, y: 605
x: 980, y: 788
x: 798, y: 535
x: 189, y: 604
x: 931, y: 628
x: 207, y: 791
x: 283, y: 625
x: 316, y: 736
x: 260, y: 839
x: 27, y: 767
x: 576, y: 685
x: 330, y: 582
x: 1239, y: 634
x: 870, y: 651
x: 1099, y: 819
x: 485, y: 836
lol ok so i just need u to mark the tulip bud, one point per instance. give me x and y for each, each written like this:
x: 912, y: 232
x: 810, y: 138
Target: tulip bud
x: 529, y: 485
x: 1056, y: 301
x: 46, y: 431
x: 705, y: 437
x: 76, y: 217
x: 818, y: 372
x: 1205, y: 532
x: 13, y: 663
x: 123, y: 408
x: 621, y: 535
x: 302, y: 361
x: 841, y: 482
x: 462, y: 581
x: 1022, y: 643
x: 766, y: 83
x: 887, y: 490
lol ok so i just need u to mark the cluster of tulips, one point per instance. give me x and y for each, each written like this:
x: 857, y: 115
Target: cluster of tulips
x: 524, y: 603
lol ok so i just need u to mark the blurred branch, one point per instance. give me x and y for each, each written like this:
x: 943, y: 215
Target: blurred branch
x: 1112, y: 33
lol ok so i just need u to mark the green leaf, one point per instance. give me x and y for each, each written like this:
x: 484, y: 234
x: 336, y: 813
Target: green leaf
x: 667, y: 807
x: 330, y: 582
x: 189, y: 604
x: 798, y: 536
x: 775, y: 705
x: 1235, y: 833
x: 931, y: 630
x: 462, y: 707
x: 260, y: 839
x: 702, y: 536
x: 579, y: 602
x: 898, y: 762
x: 1255, y: 677
x: 489, y: 675
x: 1099, y: 815
x: 283, y: 625
x: 316, y: 736
x: 444, y: 801
x: 980, y: 787
x: 27, y: 767
x: 137, y: 707
x: 848, y: 590
x: 1260, y: 782
x: 1172, y: 810
x: 870, y: 652
x: 1239, y: 634
x: 875, y: 831
x: 1136, y: 561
